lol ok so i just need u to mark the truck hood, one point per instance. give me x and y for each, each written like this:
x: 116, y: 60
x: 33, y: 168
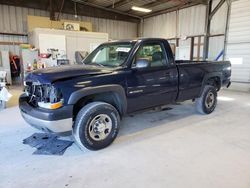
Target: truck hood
x: 50, y: 75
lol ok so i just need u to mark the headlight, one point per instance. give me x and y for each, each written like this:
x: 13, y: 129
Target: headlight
x: 52, y: 98
x: 55, y: 95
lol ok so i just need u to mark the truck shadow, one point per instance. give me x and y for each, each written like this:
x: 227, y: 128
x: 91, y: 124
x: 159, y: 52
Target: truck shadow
x: 153, y: 123
x: 143, y: 126
x: 148, y: 124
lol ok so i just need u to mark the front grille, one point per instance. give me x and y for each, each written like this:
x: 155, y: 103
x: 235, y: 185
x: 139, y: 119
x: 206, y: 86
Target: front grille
x: 46, y: 93
x: 37, y: 92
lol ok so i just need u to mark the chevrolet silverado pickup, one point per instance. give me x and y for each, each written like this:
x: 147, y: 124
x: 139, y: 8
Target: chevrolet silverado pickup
x: 117, y: 78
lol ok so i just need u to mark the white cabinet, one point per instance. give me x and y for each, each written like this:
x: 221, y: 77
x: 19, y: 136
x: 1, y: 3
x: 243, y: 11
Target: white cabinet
x: 70, y: 41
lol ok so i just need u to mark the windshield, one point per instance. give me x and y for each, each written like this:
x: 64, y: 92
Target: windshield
x: 111, y: 55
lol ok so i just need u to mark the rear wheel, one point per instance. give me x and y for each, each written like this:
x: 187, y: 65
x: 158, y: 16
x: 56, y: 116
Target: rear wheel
x: 96, y: 126
x: 207, y: 101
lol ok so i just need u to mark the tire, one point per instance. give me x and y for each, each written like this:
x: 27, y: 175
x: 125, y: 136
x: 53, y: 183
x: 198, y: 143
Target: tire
x: 96, y: 126
x: 207, y: 101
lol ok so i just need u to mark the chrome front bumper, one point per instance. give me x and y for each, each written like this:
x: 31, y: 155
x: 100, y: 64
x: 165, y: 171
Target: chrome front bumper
x: 57, y: 126
x: 58, y: 121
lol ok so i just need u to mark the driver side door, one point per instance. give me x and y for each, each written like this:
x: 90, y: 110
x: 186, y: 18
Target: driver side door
x: 155, y: 84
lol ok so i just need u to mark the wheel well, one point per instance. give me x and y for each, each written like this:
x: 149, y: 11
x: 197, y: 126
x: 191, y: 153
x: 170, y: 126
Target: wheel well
x: 214, y: 81
x: 112, y: 98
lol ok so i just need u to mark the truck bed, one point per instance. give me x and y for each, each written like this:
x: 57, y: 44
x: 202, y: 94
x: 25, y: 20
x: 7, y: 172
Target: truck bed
x: 192, y: 74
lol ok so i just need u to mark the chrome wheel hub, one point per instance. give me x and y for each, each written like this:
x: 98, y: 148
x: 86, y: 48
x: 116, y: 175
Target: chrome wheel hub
x: 210, y: 99
x: 100, y: 127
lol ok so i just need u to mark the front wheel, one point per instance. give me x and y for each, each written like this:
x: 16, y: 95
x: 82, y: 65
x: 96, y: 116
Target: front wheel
x: 207, y: 101
x: 96, y: 126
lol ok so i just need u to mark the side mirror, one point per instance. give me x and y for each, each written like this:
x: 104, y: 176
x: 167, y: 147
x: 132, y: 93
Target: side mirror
x: 142, y: 63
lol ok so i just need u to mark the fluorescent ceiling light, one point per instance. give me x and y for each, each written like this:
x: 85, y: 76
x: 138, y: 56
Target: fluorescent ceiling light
x: 140, y: 9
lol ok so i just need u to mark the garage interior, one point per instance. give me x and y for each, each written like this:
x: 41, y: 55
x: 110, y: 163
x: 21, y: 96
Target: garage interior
x: 172, y: 146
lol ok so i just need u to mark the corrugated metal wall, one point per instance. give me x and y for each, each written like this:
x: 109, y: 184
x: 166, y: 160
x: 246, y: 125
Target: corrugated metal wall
x: 185, y: 22
x: 14, y: 20
x: 164, y: 25
x: 216, y: 45
x: 192, y: 21
x: 238, y: 45
x: 189, y: 22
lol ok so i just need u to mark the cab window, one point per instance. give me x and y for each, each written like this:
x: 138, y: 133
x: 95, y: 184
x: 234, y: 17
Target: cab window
x: 153, y: 53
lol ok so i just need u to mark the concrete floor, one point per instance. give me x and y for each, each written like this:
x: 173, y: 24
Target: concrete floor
x: 174, y: 148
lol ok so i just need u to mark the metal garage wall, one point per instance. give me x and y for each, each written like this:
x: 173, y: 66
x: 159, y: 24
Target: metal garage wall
x: 164, y: 25
x: 189, y: 22
x: 216, y: 45
x: 178, y: 24
x: 192, y: 21
x: 185, y: 22
x: 14, y: 20
x: 238, y: 44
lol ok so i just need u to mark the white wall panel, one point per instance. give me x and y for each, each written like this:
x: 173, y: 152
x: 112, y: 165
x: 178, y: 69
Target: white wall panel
x: 185, y: 22
x: 161, y: 26
x: 238, y: 45
x: 14, y: 19
x: 192, y: 21
x: 216, y: 45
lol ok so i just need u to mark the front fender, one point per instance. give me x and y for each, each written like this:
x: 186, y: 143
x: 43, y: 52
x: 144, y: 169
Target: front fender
x: 77, y: 95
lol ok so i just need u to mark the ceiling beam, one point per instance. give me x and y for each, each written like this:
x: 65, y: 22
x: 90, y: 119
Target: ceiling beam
x: 155, y: 3
x: 204, y: 2
x: 52, y: 9
x: 106, y: 9
x: 178, y: 7
x: 83, y: 9
x: 119, y: 3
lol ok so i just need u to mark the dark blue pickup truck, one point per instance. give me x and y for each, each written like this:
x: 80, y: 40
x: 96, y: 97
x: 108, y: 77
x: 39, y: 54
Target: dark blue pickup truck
x: 117, y: 78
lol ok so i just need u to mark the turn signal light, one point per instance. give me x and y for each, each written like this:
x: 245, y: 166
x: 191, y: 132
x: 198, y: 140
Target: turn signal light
x: 56, y: 105
x: 51, y: 106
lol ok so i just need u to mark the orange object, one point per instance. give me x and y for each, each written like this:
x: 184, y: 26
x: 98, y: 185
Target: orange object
x: 56, y: 105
